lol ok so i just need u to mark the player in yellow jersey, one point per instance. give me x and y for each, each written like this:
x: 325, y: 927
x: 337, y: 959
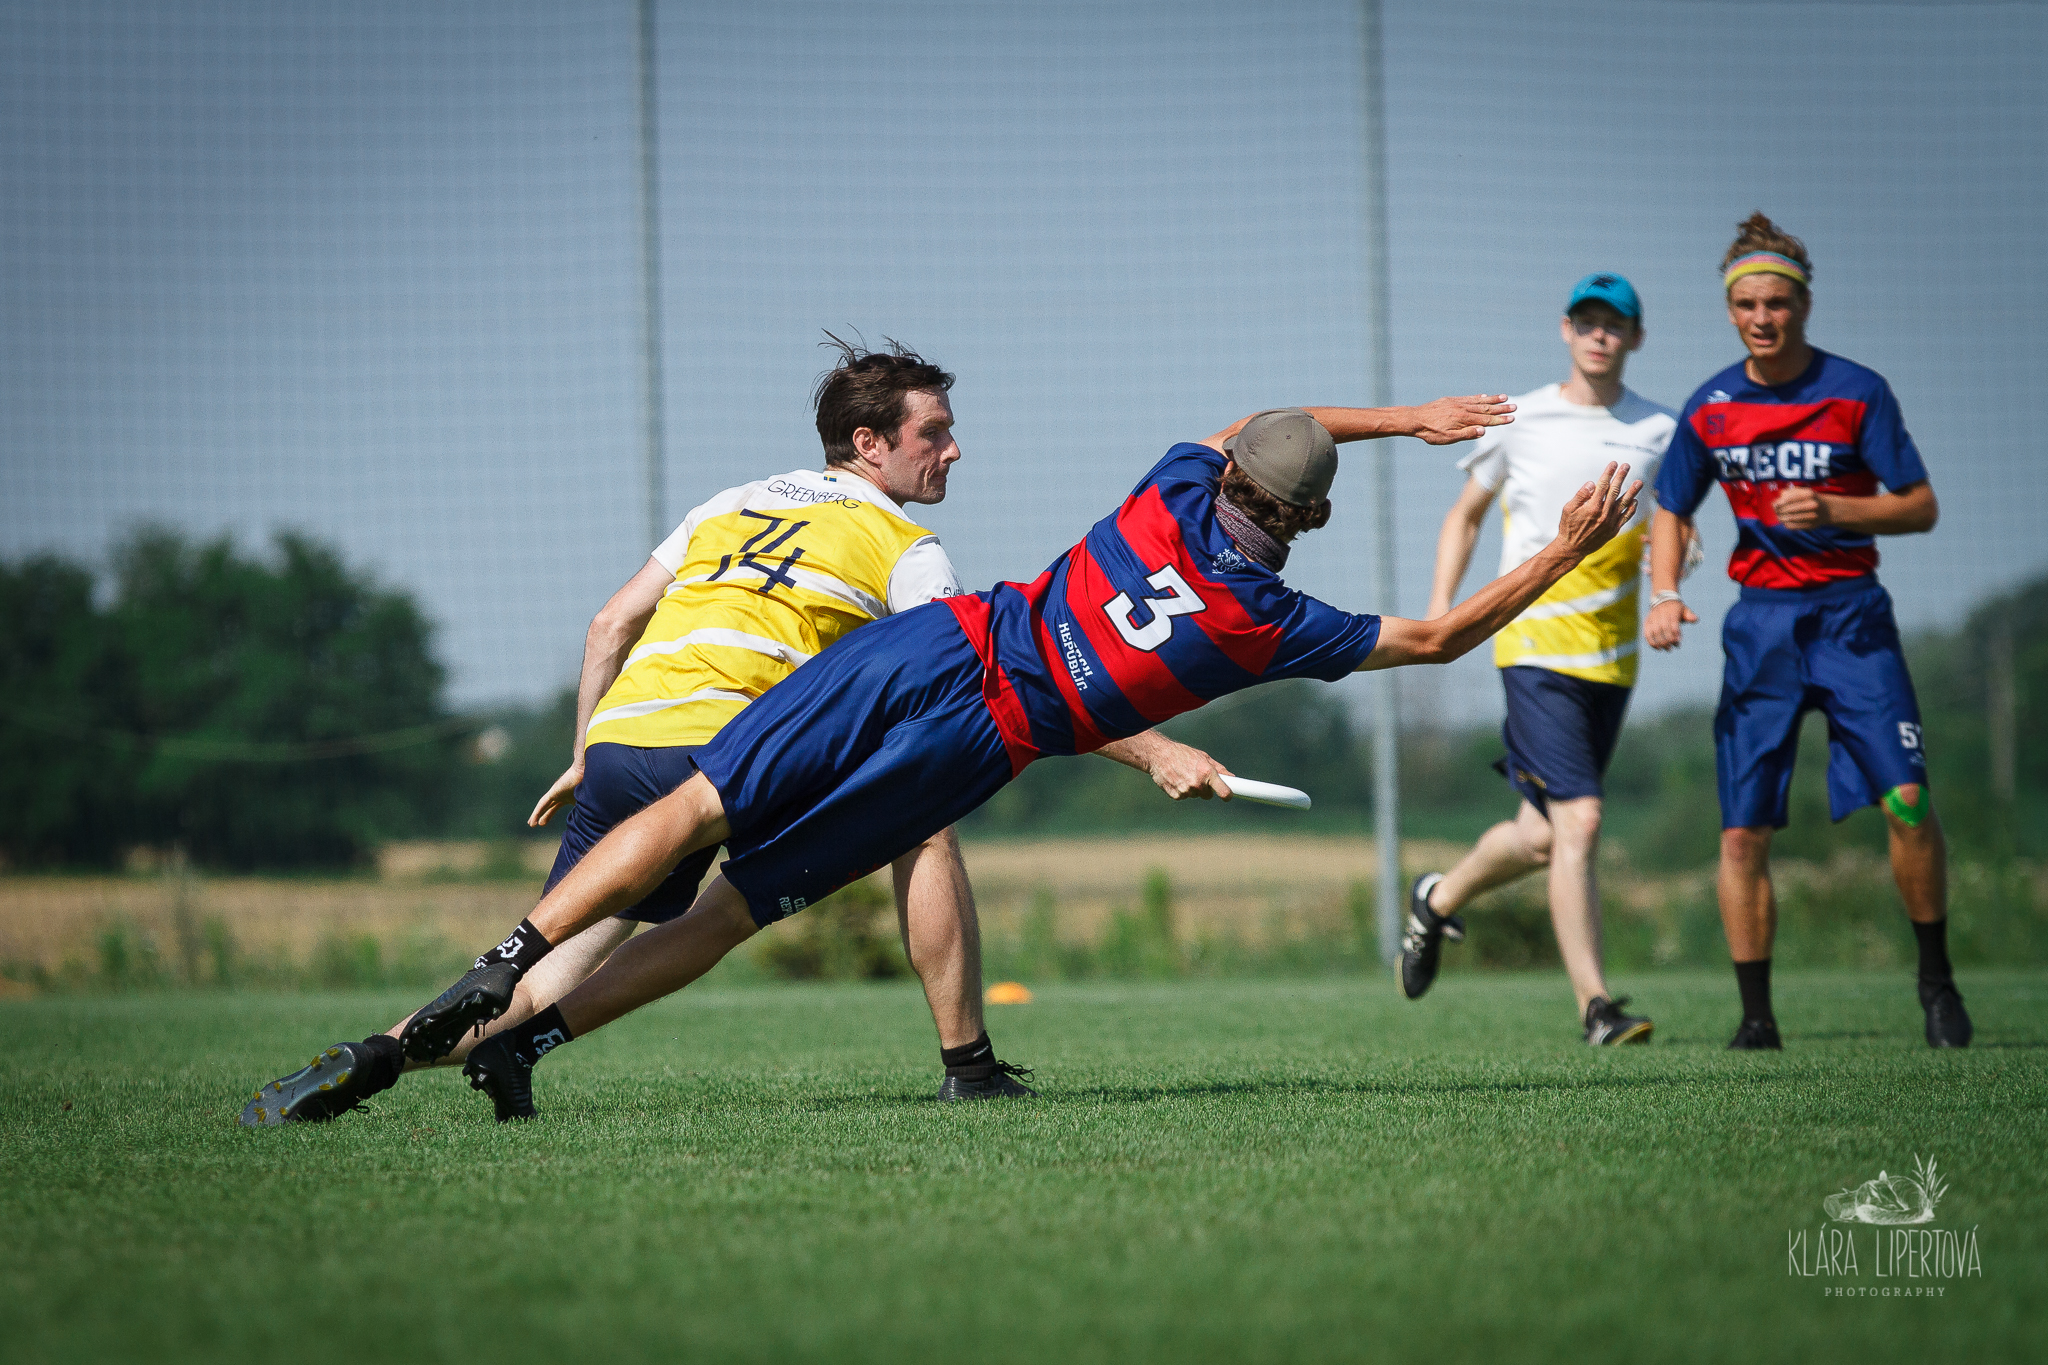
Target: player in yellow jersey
x: 1568, y: 662
x: 753, y: 584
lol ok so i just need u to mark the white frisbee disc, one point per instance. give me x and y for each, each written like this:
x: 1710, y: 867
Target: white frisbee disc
x: 1268, y: 793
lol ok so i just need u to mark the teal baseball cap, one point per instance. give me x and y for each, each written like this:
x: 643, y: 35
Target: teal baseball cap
x: 1606, y: 287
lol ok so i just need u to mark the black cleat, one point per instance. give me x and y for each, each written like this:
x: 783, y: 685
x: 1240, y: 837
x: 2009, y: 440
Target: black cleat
x: 1948, y: 1023
x: 1756, y: 1035
x: 995, y: 1081
x: 330, y: 1085
x: 480, y: 996
x: 1423, y: 941
x: 1607, y: 1026
x: 494, y: 1068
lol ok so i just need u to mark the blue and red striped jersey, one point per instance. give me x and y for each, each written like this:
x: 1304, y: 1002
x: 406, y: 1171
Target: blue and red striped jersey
x: 1155, y: 613
x: 1835, y: 429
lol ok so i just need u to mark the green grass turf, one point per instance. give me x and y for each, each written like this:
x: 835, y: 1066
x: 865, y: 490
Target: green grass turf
x: 1218, y: 1171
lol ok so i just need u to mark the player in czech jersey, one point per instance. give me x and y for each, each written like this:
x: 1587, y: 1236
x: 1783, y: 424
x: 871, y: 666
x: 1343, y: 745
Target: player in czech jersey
x: 753, y: 583
x: 1173, y: 600
x: 1568, y: 663
x: 1816, y: 462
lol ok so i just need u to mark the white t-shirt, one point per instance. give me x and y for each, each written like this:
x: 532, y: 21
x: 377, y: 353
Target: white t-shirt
x: 1552, y: 447
x: 1587, y: 625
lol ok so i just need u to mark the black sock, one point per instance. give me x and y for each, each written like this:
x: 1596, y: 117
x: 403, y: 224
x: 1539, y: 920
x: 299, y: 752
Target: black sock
x: 1753, y: 979
x: 523, y: 947
x: 538, y: 1036
x: 980, y: 1052
x: 1934, y: 967
x: 387, y: 1063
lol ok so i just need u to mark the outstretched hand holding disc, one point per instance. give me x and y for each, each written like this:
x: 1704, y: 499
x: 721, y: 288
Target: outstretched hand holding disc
x: 1267, y: 793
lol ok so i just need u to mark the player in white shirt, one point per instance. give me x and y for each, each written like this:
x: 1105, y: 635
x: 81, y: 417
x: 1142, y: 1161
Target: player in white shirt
x: 1568, y: 663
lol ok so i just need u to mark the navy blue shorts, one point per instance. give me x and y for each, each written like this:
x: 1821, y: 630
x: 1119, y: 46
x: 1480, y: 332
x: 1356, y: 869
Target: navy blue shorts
x: 619, y: 780
x: 1834, y: 650
x: 854, y: 760
x: 1560, y: 733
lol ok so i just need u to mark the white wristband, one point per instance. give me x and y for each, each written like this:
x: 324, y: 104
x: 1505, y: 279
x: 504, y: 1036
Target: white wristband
x: 1659, y: 599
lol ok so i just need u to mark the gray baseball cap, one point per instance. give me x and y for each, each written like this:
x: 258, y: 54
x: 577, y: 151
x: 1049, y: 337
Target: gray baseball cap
x: 1288, y: 453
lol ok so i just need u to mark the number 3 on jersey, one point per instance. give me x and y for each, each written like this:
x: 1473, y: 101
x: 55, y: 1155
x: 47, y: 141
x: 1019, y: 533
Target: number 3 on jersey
x: 1179, y: 601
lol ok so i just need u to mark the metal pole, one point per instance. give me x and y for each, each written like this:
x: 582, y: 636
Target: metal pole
x: 1386, y: 757
x: 650, y: 278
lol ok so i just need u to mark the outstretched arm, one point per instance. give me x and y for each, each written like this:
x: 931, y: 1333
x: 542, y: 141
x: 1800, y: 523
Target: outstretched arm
x: 1444, y: 422
x: 1454, y: 544
x: 1590, y: 520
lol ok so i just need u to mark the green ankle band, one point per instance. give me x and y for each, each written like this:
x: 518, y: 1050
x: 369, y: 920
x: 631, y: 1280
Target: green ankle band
x: 1912, y: 815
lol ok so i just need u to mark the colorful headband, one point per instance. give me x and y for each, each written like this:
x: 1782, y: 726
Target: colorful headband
x: 1766, y: 263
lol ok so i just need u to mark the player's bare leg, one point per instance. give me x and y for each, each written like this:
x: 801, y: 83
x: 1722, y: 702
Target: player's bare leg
x: 1575, y: 916
x: 942, y: 939
x: 1575, y: 894
x: 560, y: 972
x: 663, y: 960
x: 1749, y: 918
x: 630, y: 862
x: 1742, y: 884
x: 1507, y: 852
x: 621, y: 871
x: 942, y: 935
x: 1919, y: 854
x: 1511, y: 849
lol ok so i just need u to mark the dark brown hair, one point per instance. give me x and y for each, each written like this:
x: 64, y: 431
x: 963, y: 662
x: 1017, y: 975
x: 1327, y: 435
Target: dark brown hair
x: 1281, y: 520
x: 1758, y: 233
x: 867, y: 389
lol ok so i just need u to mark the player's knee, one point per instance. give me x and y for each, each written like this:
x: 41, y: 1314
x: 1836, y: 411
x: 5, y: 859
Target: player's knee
x: 1576, y: 822
x: 694, y: 814
x: 1909, y: 805
x: 1746, y: 846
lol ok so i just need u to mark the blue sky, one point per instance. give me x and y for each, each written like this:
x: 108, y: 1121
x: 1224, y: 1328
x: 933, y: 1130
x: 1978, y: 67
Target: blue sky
x: 372, y: 272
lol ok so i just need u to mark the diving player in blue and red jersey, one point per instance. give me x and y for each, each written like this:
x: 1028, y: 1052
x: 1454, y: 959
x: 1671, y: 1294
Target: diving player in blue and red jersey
x: 1816, y: 462
x: 1173, y: 600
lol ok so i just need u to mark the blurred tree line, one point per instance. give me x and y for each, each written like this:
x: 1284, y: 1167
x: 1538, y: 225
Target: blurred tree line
x: 286, y: 712
x: 279, y: 713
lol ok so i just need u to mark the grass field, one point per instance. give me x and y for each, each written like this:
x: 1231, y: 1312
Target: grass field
x: 1218, y: 1171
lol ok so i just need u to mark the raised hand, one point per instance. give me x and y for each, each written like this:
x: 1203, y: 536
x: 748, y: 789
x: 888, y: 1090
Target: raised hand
x: 1450, y: 420
x: 1597, y: 511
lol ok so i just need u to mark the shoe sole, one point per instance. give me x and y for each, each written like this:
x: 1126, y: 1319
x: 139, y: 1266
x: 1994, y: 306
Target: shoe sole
x: 1639, y: 1033
x: 268, y: 1110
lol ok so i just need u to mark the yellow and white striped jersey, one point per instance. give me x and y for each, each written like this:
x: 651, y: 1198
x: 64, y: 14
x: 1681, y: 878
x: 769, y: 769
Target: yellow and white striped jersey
x: 1589, y: 624
x: 766, y: 576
